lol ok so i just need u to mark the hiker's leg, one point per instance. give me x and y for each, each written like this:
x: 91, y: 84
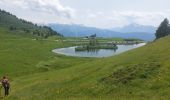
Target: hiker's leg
x: 7, y: 90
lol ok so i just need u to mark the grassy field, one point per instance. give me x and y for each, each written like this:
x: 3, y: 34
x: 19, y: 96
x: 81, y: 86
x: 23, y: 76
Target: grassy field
x: 38, y: 74
x: 22, y: 55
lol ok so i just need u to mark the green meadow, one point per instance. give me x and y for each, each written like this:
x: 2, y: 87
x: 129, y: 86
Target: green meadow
x: 22, y: 55
x: 38, y: 74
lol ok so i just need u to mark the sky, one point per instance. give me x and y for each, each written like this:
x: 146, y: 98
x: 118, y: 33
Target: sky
x: 96, y: 13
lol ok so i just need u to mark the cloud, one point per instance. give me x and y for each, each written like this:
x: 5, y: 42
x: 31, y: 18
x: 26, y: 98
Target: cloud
x: 145, y: 18
x: 121, y: 18
x: 53, y: 11
x: 43, y: 6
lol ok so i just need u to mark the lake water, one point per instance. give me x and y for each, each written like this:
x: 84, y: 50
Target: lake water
x: 70, y: 51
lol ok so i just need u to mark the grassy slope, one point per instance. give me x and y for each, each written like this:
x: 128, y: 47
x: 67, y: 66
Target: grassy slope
x: 140, y: 74
x: 20, y: 54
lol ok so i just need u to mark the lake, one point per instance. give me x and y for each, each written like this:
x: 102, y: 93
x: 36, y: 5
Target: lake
x: 70, y: 51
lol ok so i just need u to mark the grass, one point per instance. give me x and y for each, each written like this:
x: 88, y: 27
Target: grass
x: 21, y: 55
x: 139, y: 74
x: 129, y: 73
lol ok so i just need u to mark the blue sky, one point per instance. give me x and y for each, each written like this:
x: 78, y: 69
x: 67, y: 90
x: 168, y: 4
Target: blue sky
x: 96, y: 13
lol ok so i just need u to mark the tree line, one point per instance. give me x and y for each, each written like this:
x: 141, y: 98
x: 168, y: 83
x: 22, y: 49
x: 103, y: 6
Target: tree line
x: 163, y: 30
x: 16, y: 24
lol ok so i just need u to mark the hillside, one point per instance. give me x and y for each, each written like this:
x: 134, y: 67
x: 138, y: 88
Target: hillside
x: 21, y: 54
x: 141, y: 73
x: 11, y: 22
x: 81, y: 31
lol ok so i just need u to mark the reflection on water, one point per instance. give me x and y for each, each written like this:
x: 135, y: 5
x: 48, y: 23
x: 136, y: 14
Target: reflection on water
x: 97, y: 53
x: 96, y: 50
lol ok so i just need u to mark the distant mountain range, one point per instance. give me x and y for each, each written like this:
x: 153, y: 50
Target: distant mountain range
x: 135, y: 28
x: 130, y: 31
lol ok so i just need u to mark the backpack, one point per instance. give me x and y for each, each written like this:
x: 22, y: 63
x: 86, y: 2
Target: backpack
x: 5, y: 83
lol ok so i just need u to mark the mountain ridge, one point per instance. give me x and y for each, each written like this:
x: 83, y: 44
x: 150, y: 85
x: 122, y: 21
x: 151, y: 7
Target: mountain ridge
x: 13, y: 23
x: 136, y: 28
x: 81, y: 31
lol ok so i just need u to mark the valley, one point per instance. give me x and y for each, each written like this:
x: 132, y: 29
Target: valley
x: 36, y: 72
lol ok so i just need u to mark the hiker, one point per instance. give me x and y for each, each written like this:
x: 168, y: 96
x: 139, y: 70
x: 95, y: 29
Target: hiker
x: 6, y: 85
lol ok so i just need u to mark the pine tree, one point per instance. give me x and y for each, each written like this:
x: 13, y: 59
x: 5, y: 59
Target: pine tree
x: 163, y: 30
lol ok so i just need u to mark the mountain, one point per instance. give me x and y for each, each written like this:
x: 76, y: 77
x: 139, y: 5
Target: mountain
x: 136, y: 28
x: 11, y: 22
x: 81, y: 31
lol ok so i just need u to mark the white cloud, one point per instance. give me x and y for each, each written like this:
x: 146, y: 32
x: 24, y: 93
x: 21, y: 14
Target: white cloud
x: 52, y: 6
x: 53, y: 11
x: 44, y: 6
x: 121, y: 18
x: 145, y: 18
